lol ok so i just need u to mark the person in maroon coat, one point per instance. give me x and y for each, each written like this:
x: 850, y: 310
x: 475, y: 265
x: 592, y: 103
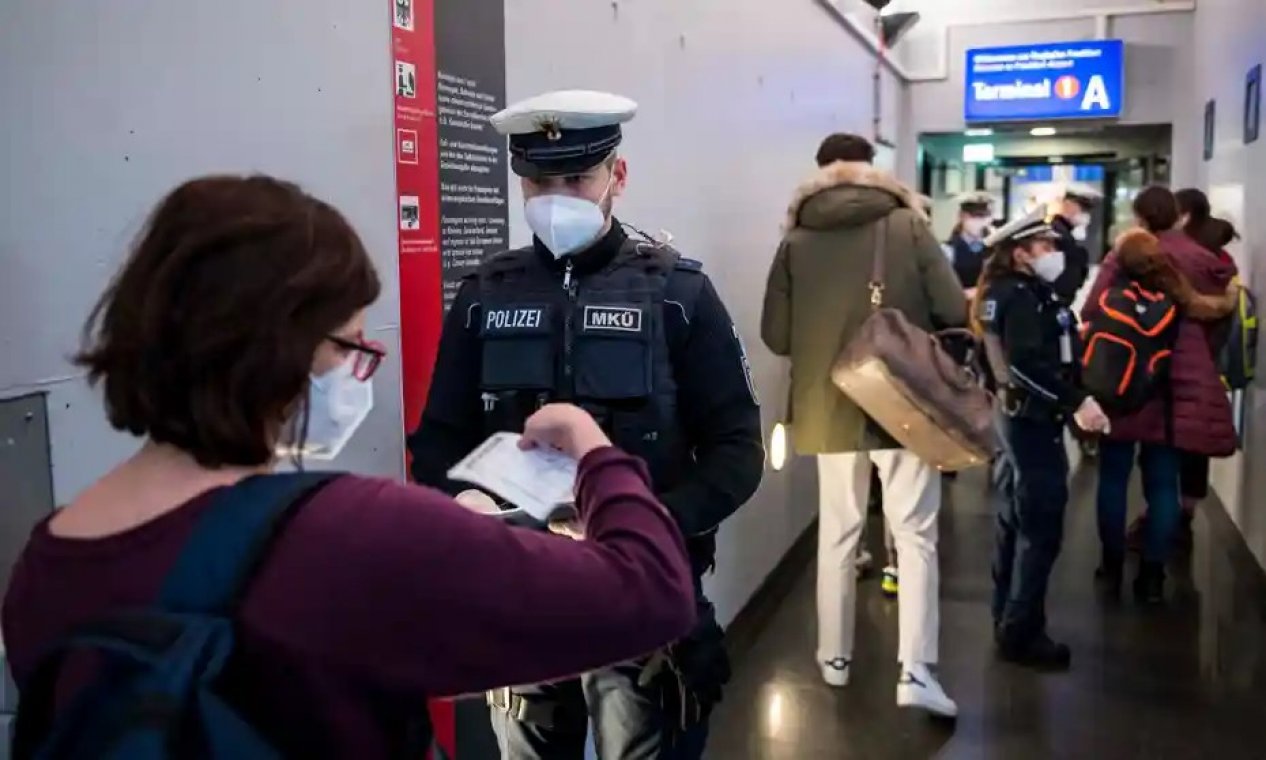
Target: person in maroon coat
x: 1193, y: 415
x: 1214, y: 235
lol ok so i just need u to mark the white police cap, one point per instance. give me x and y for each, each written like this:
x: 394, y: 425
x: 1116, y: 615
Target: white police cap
x: 564, y: 132
x: 976, y: 203
x: 1083, y: 194
x: 1032, y: 225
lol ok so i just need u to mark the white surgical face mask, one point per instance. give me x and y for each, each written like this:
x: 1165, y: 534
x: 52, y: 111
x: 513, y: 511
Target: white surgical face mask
x: 566, y: 224
x: 975, y: 226
x: 337, y: 405
x: 1050, y: 266
x: 1081, y: 226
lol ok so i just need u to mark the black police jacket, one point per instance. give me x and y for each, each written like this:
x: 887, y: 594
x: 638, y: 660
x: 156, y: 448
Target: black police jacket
x: 1076, y: 261
x: 969, y: 260
x: 626, y: 329
x: 1031, y: 337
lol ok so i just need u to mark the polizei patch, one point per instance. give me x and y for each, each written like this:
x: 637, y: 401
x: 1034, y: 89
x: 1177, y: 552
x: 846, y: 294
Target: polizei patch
x: 497, y: 320
x: 613, y: 318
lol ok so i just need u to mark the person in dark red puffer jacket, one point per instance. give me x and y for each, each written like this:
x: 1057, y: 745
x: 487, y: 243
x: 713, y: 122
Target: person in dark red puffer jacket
x: 1195, y: 416
x: 1214, y: 235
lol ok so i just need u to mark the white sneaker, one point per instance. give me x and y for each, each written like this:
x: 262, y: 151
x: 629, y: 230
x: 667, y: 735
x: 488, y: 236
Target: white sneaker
x: 864, y: 561
x: 835, y: 672
x: 919, y: 689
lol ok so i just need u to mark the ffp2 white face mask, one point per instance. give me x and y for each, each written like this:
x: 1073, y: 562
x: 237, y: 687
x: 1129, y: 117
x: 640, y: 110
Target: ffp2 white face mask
x: 566, y: 224
x: 337, y: 405
x: 1049, y: 266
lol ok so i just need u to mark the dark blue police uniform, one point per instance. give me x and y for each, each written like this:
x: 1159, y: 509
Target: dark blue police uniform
x: 1031, y: 340
x: 969, y: 260
x: 635, y: 334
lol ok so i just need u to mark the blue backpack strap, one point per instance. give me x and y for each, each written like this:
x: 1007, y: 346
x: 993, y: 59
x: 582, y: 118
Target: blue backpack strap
x: 211, y: 575
x: 230, y: 541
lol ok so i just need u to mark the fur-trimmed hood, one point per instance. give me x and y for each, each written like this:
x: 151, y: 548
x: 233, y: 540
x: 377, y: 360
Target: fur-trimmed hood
x: 846, y: 192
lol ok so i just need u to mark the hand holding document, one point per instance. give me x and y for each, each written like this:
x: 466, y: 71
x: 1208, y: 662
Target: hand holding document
x: 538, y: 482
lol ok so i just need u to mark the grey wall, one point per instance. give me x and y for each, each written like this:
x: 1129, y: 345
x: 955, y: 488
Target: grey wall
x: 1230, y: 37
x: 1159, y: 66
x: 108, y: 105
x: 734, y: 100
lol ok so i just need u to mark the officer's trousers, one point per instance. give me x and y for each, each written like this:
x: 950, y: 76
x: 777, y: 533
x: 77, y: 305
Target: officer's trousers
x: 911, y: 502
x: 627, y: 721
x: 1030, y: 496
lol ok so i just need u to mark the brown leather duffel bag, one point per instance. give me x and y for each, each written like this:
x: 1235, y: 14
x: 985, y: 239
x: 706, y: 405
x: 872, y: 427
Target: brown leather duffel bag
x: 905, y: 381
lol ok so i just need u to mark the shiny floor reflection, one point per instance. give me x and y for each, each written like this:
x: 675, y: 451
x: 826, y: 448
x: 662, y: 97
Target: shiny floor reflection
x: 1186, y: 681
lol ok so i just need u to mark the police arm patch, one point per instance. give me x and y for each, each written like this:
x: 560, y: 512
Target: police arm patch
x: 747, y: 365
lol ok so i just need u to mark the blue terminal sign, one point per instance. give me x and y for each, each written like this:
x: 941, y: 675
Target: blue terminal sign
x: 1064, y: 80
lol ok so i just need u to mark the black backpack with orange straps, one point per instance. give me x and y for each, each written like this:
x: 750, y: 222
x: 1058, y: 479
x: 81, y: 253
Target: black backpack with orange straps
x: 1129, y: 342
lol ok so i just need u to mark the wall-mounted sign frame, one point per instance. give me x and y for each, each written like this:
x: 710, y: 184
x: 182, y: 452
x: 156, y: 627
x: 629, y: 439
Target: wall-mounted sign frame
x: 1062, y: 80
x: 1253, y: 104
x: 1210, y: 128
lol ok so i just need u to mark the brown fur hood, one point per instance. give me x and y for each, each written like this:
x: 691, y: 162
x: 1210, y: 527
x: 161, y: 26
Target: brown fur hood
x: 850, y: 174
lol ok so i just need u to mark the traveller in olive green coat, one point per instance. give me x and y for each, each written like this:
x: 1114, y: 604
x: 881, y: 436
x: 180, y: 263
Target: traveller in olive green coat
x: 816, y: 301
x: 817, y: 295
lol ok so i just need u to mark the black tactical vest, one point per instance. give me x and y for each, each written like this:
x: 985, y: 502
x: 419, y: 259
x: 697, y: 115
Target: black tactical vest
x: 600, y: 341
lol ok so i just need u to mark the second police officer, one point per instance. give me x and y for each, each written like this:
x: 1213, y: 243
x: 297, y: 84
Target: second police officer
x: 637, y: 335
x: 966, y: 246
x: 1072, y: 224
x: 1031, y: 342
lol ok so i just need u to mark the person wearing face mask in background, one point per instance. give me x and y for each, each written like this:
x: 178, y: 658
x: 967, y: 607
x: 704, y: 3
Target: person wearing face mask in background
x: 1072, y: 224
x: 966, y: 246
x: 1031, y: 341
x: 636, y: 334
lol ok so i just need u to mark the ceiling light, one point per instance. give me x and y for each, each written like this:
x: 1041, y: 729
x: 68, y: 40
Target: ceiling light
x: 1043, y: 131
x: 979, y: 132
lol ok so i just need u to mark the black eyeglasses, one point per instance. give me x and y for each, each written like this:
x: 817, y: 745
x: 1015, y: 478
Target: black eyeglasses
x: 369, y: 354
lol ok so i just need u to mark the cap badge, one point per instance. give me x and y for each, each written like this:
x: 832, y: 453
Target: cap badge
x: 552, y: 128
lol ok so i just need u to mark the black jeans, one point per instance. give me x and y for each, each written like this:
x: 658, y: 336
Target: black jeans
x: 1031, y: 495
x: 628, y: 723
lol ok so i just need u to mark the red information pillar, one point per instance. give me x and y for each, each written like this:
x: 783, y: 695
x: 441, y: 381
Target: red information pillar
x: 415, y: 136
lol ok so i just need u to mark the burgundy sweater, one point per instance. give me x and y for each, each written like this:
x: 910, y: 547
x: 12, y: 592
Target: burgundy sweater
x: 379, y: 595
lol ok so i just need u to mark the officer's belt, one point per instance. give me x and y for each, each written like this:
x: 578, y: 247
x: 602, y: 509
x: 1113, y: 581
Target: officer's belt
x: 542, y: 712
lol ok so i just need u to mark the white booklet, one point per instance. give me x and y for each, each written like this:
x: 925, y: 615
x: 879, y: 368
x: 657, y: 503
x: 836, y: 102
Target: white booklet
x: 540, y: 483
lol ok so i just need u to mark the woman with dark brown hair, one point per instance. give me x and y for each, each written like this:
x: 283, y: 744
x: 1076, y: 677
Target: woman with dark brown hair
x: 1191, y: 415
x: 236, y: 330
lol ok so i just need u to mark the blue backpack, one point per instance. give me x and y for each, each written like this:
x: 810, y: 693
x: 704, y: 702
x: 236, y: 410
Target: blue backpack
x: 155, y: 693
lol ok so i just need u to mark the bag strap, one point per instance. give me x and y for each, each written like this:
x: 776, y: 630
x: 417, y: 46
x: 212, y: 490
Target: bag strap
x: 231, y: 540
x: 878, y: 264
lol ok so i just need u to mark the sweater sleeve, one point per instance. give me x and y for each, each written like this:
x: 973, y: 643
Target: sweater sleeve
x: 398, y: 586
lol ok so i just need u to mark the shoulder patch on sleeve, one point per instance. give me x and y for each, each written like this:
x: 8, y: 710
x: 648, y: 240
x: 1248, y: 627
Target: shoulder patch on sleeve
x: 989, y: 311
x: 747, y: 365
x: 688, y: 265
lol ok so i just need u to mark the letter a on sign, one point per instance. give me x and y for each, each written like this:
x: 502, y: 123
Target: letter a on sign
x: 1096, y: 95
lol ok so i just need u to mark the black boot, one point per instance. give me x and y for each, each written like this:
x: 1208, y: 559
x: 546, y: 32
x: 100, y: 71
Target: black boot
x: 1040, y: 653
x: 1149, y: 586
x: 1111, y: 574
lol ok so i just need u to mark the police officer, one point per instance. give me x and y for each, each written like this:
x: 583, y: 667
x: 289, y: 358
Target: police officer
x: 1072, y: 224
x: 636, y: 334
x: 966, y: 246
x: 1031, y: 343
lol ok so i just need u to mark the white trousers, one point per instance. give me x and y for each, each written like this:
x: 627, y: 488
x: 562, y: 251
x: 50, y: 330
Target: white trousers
x: 912, y: 499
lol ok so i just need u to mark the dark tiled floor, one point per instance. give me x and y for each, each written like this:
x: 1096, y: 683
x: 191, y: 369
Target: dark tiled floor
x: 1187, y: 681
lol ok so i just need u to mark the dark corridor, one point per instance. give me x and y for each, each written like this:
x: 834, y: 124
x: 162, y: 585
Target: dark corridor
x: 1185, y: 681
